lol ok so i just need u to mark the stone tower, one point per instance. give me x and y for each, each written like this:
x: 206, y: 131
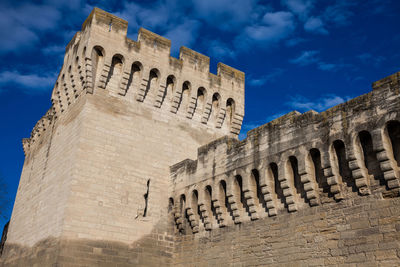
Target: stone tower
x: 96, y: 174
x: 137, y: 163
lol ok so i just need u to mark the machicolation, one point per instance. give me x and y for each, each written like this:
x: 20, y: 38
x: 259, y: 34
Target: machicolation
x: 138, y: 163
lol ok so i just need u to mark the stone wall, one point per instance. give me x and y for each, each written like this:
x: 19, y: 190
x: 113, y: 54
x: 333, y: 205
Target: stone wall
x: 97, y: 188
x: 95, y: 183
x: 364, y: 231
x: 312, y: 188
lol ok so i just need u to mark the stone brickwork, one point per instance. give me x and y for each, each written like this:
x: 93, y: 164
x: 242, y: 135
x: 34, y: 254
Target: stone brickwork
x: 359, y: 232
x: 95, y: 183
x: 305, y: 189
x: 102, y: 184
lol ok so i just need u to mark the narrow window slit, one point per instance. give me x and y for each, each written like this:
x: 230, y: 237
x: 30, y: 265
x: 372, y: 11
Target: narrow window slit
x: 146, y: 198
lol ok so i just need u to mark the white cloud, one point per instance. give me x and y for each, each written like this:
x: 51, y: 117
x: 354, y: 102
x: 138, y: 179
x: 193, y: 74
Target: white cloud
x: 183, y: 34
x: 54, y: 50
x: 219, y: 49
x: 327, y: 101
x: 294, y: 41
x: 274, y: 27
x: 306, y: 58
x: 299, y: 7
x: 226, y: 14
x: 20, y: 25
x: 339, y: 13
x: 270, y: 77
x: 165, y: 18
x: 311, y: 57
x: 327, y: 66
x: 368, y: 58
x: 315, y: 25
x: 29, y: 82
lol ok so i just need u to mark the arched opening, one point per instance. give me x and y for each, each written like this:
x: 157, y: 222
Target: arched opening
x: 238, y: 191
x: 255, y: 176
x: 153, y: 78
x: 184, y: 99
x: 134, y: 76
x: 296, y: 178
x: 169, y: 88
x: 273, y: 172
x: 200, y: 101
x: 80, y: 77
x: 370, y: 159
x: 215, y: 105
x: 170, y: 204
x: 195, y: 204
x: 115, y: 72
x: 84, y: 53
x: 223, y: 197
x: 76, y: 61
x: 182, y: 203
x: 97, y: 62
x: 64, y: 95
x: 230, y: 110
x: 319, y: 172
x: 344, y: 169
x: 393, y: 128
x: 183, y: 213
x: 209, y: 202
x: 75, y: 49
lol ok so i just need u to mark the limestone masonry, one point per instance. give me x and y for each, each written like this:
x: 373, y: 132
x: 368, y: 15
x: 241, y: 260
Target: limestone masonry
x: 137, y: 163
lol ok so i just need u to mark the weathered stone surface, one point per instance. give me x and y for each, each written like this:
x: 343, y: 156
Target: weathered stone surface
x: 137, y: 163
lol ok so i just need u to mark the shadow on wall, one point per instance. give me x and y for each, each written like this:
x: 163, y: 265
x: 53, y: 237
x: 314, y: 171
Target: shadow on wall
x: 4, y: 237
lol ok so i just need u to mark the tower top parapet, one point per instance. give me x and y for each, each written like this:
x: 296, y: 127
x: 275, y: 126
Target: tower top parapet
x: 102, y: 58
x: 100, y: 20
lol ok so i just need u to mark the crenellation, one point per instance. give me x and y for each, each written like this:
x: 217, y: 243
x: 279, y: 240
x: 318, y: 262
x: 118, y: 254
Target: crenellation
x: 26, y: 145
x: 153, y: 42
x: 194, y: 60
x: 105, y: 21
x: 340, y: 145
x: 137, y: 162
x: 392, y: 82
x: 230, y: 73
x: 95, y: 70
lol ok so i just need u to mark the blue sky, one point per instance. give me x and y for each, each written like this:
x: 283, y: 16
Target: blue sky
x: 297, y: 54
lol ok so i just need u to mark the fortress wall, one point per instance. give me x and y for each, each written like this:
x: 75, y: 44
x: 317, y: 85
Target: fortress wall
x: 102, y: 56
x: 297, y: 167
x: 141, y: 110
x: 358, y: 232
x: 122, y: 147
x: 97, y: 189
x: 38, y: 212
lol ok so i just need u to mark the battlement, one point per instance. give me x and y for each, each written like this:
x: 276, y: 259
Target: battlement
x: 294, y: 162
x: 103, y: 19
x: 142, y: 72
x: 137, y: 162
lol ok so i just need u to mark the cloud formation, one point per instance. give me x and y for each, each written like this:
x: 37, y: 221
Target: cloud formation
x: 312, y: 57
x: 306, y: 58
x: 32, y: 83
x: 302, y: 8
x: 219, y: 49
x: 315, y: 25
x: 20, y: 25
x: 270, y: 77
x: 225, y: 29
x: 274, y: 27
x: 225, y: 14
x: 303, y: 104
